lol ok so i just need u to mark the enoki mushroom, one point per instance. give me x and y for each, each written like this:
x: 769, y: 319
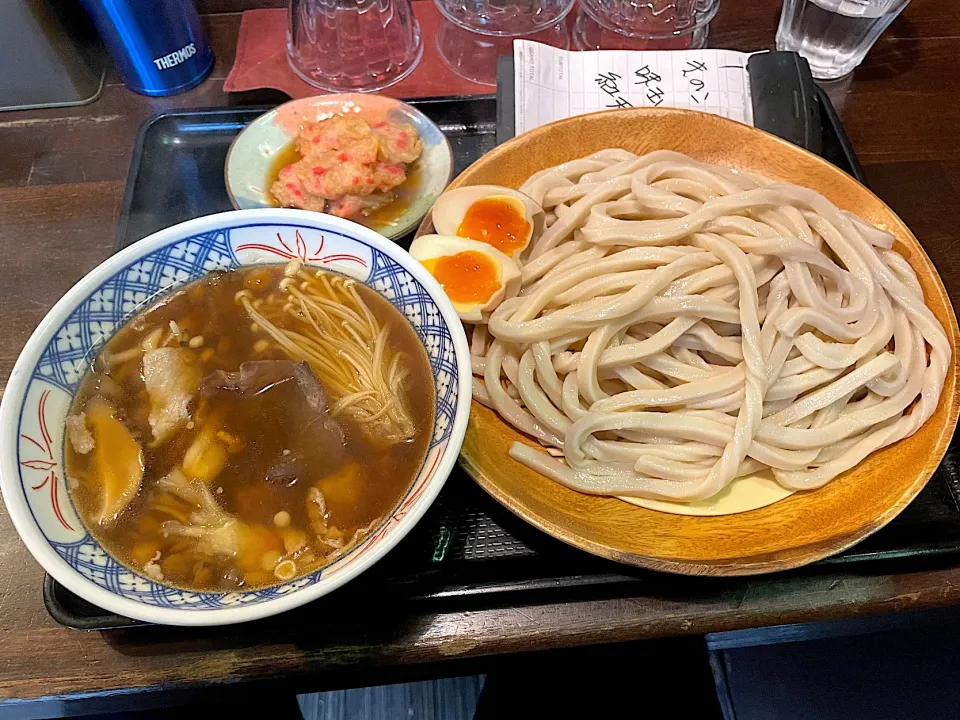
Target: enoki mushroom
x: 682, y: 324
x: 325, y: 322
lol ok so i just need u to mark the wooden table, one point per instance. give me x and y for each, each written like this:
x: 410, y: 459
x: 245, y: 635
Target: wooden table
x: 62, y: 176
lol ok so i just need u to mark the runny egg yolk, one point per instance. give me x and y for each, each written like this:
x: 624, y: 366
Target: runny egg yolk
x: 500, y: 221
x: 467, y: 277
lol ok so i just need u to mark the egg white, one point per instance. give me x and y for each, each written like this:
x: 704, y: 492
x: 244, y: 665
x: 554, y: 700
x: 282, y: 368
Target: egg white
x: 450, y: 208
x: 431, y: 247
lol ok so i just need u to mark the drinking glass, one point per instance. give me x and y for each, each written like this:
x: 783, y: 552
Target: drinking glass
x: 834, y: 35
x: 644, y: 24
x: 474, y: 57
x: 353, y: 45
x: 505, y: 18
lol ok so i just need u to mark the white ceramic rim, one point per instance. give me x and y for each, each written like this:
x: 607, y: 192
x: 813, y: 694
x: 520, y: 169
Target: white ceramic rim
x: 19, y: 380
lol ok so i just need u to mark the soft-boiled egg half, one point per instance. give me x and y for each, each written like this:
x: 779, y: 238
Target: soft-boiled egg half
x: 475, y: 276
x: 498, y: 216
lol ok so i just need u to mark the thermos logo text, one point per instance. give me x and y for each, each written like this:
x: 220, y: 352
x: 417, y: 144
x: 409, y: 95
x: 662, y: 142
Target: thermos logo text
x: 175, y: 58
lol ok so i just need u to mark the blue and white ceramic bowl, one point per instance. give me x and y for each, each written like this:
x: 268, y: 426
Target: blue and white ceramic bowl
x: 46, y: 376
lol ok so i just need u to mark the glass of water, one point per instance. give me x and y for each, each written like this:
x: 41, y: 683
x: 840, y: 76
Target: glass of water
x: 353, y: 45
x: 505, y: 18
x: 644, y: 24
x: 834, y: 35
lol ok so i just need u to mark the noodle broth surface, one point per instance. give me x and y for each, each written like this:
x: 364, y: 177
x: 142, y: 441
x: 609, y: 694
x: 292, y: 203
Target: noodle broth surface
x: 265, y: 468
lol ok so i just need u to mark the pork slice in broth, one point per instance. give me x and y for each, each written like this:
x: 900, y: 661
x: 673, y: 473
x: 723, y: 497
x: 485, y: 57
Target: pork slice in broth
x: 297, y: 402
x: 217, y: 532
x: 171, y: 377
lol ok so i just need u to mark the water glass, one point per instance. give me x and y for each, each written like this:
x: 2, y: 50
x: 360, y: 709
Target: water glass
x: 474, y: 57
x: 353, y: 45
x: 834, y: 35
x: 647, y: 24
x: 505, y: 18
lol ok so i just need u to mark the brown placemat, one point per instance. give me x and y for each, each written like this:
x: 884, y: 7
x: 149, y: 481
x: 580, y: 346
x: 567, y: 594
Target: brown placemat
x: 261, y: 60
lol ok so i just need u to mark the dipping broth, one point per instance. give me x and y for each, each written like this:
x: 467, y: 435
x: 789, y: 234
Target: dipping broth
x: 222, y: 441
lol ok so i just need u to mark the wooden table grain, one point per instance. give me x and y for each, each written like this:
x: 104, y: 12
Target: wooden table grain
x: 62, y: 175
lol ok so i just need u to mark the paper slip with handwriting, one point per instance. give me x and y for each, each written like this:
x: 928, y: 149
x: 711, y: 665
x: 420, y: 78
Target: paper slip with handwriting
x: 552, y: 84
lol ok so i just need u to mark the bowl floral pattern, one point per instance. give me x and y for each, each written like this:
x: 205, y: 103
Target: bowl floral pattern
x: 53, y: 363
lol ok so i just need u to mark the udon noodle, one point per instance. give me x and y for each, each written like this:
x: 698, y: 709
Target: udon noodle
x: 682, y: 324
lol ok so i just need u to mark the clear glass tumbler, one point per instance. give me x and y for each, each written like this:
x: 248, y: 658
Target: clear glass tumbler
x: 353, y: 45
x: 474, y: 57
x: 505, y: 18
x: 675, y: 24
x: 834, y: 35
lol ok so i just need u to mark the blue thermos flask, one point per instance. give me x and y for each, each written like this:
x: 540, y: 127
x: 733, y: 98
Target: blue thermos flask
x: 157, y: 45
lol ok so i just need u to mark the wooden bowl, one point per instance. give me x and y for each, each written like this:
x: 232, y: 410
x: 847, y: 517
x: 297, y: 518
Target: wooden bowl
x: 806, y: 526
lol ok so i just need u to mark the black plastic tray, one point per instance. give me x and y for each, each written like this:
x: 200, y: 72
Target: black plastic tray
x: 467, y: 548
x: 176, y: 172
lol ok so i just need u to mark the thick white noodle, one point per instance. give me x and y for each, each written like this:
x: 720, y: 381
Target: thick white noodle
x: 682, y: 324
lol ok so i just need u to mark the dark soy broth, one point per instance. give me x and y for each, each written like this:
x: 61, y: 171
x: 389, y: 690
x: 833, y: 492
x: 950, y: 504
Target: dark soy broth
x: 250, y: 476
